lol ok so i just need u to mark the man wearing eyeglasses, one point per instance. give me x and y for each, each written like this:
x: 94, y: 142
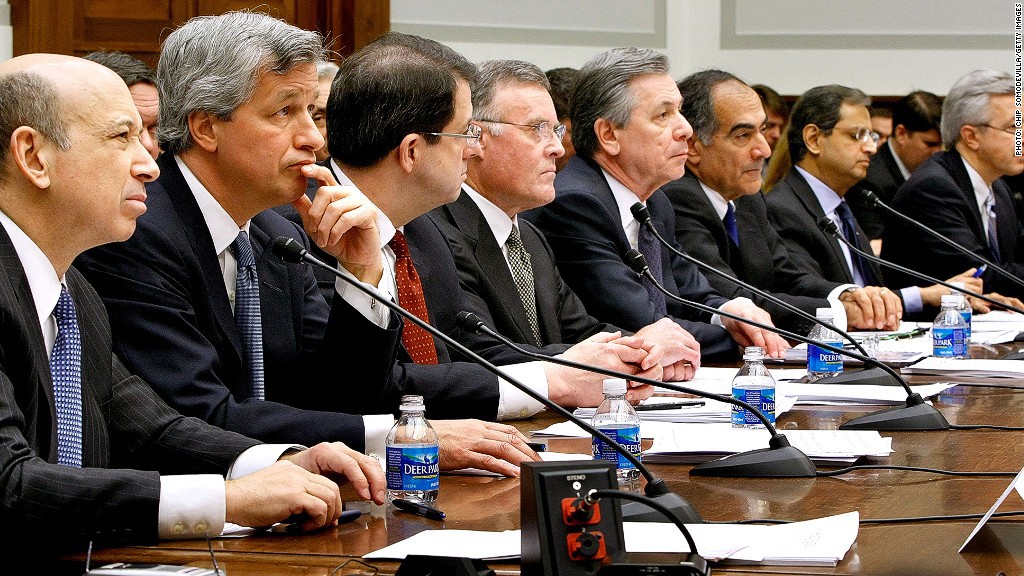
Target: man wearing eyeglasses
x: 504, y: 262
x: 959, y: 192
x: 830, y: 147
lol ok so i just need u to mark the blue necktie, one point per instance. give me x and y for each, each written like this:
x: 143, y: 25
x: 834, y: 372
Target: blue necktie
x: 993, y: 236
x: 730, y: 225
x: 648, y: 245
x: 66, y: 372
x: 850, y: 233
x: 247, y: 312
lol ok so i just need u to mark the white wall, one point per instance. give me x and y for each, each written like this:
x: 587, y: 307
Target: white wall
x: 6, y: 32
x: 884, y: 47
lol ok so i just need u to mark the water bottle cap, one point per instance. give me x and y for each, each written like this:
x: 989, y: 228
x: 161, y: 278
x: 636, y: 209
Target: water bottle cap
x: 616, y: 386
x: 824, y: 314
x: 411, y: 402
x: 950, y: 299
x: 753, y: 353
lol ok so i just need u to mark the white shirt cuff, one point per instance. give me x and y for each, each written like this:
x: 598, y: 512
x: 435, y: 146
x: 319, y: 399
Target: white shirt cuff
x: 191, y: 506
x: 717, y: 320
x: 839, y: 319
x: 912, y: 303
x: 258, y: 457
x: 514, y: 403
x: 371, y: 309
x: 375, y: 432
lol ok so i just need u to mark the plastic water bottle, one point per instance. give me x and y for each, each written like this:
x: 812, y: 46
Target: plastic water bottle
x: 822, y: 363
x: 754, y: 385
x: 617, y: 418
x: 965, y: 309
x: 949, y: 330
x: 412, y: 462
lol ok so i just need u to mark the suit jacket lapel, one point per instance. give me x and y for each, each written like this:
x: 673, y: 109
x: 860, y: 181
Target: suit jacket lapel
x: 201, y: 242
x: 804, y: 194
x: 955, y: 166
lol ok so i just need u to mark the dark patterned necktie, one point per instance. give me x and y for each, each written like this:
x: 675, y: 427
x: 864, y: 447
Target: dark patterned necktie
x: 247, y: 312
x: 417, y: 341
x: 649, y: 246
x: 850, y: 233
x: 730, y: 225
x: 66, y: 372
x: 522, y: 273
x: 993, y: 232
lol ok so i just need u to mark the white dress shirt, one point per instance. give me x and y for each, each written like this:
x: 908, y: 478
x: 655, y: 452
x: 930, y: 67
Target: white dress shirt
x: 982, y: 192
x: 191, y: 505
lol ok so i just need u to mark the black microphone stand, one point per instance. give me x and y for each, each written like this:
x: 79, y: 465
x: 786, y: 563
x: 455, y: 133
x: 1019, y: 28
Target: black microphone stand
x: 876, y: 202
x: 866, y: 376
x: 779, y: 460
x: 915, y: 415
x: 290, y: 250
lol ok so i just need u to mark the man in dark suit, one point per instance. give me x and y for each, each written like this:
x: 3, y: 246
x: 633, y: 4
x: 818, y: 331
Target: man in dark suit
x: 512, y: 171
x: 958, y: 192
x: 83, y: 443
x: 830, y: 145
x: 411, y: 161
x: 722, y: 220
x: 915, y: 137
x: 630, y: 140
x: 218, y: 325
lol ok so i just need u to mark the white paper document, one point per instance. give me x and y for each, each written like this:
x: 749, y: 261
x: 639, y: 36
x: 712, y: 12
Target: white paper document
x: 689, y: 443
x: 459, y: 543
x: 818, y: 542
x: 969, y: 367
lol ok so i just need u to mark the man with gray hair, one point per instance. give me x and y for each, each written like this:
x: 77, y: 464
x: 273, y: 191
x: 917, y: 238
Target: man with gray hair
x: 513, y: 171
x: 959, y: 192
x: 630, y: 140
x: 217, y: 324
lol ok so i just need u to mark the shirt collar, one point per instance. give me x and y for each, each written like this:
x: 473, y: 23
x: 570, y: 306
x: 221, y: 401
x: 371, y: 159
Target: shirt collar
x: 499, y: 222
x: 827, y: 197
x: 981, y: 189
x: 899, y: 163
x: 223, y: 229
x: 717, y: 202
x: 624, y: 199
x: 42, y: 278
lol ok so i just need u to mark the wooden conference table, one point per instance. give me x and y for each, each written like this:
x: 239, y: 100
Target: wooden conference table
x: 477, y: 503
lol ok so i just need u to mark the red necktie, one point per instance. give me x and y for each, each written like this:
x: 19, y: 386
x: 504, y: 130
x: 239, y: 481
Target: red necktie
x: 417, y: 341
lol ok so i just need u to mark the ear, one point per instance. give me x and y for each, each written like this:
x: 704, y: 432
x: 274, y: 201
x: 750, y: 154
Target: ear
x: 696, y: 146
x: 900, y: 131
x: 485, y: 141
x: 969, y: 136
x: 203, y: 127
x: 408, y: 151
x: 607, y: 137
x: 812, y: 139
x: 33, y: 155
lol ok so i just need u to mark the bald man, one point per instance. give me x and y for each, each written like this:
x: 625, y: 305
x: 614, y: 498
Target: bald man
x: 84, y: 445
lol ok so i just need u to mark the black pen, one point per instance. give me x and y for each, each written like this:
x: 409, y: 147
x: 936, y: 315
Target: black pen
x: 418, y: 508
x: 537, y: 446
x: 668, y: 405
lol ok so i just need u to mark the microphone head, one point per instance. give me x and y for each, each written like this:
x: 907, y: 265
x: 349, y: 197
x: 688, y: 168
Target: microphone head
x: 870, y: 197
x: 640, y: 212
x: 827, y: 226
x: 636, y: 260
x: 288, y: 249
x: 469, y: 321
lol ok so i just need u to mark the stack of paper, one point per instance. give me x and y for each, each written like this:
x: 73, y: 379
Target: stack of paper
x: 691, y: 443
x: 820, y: 542
x: 711, y: 411
x: 968, y: 367
x: 458, y: 543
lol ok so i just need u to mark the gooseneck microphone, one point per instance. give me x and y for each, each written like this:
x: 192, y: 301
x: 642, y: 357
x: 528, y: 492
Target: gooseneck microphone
x: 779, y: 460
x: 915, y: 415
x: 290, y: 250
x: 867, y: 376
x: 829, y: 227
x: 876, y: 202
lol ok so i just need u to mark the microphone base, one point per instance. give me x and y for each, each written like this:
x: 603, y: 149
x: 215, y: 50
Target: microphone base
x: 640, y: 512
x: 916, y: 415
x: 866, y: 377
x: 784, y: 462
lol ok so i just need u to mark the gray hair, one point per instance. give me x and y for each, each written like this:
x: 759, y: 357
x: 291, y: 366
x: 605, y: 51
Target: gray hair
x: 325, y: 69
x: 699, y: 103
x: 28, y: 99
x: 494, y: 72
x: 967, y: 102
x: 212, y: 64
x: 603, y: 91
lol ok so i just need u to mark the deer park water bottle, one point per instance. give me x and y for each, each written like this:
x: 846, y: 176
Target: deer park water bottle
x: 822, y: 363
x: 617, y: 418
x: 754, y: 385
x: 965, y: 309
x: 949, y: 330
x: 412, y: 462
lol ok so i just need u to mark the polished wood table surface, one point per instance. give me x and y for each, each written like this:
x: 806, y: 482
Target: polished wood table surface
x: 479, y: 503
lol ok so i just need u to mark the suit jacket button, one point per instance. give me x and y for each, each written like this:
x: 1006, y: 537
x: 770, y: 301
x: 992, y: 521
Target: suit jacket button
x: 201, y: 528
x: 178, y: 528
